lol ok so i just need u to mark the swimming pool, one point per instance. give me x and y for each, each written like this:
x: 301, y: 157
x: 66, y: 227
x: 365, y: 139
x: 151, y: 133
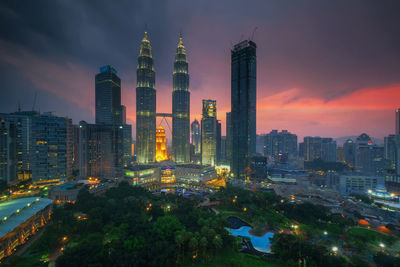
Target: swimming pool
x: 260, y: 243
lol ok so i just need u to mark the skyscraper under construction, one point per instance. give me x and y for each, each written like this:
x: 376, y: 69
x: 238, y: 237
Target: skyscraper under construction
x: 145, y: 104
x: 181, y: 107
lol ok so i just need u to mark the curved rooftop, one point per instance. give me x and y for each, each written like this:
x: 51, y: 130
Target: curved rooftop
x: 17, y: 211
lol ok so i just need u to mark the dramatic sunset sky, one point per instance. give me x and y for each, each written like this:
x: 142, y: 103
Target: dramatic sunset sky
x: 325, y: 68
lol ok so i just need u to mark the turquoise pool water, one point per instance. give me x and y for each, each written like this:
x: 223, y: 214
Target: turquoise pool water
x: 260, y: 243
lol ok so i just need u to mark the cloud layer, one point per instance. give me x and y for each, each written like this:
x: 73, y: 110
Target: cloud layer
x: 328, y: 68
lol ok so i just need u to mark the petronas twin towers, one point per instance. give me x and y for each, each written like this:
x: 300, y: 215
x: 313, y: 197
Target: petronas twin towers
x: 146, y: 106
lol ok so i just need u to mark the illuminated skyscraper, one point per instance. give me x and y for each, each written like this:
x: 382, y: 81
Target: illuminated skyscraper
x: 209, y: 133
x: 108, y: 97
x: 243, y: 105
x: 181, y: 107
x: 145, y: 105
x: 196, y: 136
x: 161, y: 144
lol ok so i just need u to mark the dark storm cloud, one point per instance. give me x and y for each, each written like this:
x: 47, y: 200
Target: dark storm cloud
x: 325, y: 49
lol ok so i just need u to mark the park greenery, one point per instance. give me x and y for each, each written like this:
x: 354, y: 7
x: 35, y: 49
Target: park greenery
x: 129, y: 226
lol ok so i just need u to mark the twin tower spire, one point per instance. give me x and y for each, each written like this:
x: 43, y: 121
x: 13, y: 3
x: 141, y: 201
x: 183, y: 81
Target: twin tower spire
x: 146, y: 105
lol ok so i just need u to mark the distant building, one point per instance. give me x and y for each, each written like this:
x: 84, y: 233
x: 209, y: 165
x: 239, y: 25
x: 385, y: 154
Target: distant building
x: 397, y: 121
x: 161, y: 144
x: 349, y: 152
x: 359, y: 184
x: 258, y: 167
x: 318, y: 148
x: 100, y: 151
x: 278, y: 143
x: 108, y: 97
x: 209, y: 133
x: 390, y: 151
x: 369, y: 157
x: 243, y: 106
x: 196, y: 136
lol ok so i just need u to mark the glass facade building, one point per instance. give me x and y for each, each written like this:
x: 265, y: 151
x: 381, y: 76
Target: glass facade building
x: 243, y: 105
x: 145, y: 105
x: 108, y: 97
x: 181, y: 107
x: 209, y: 133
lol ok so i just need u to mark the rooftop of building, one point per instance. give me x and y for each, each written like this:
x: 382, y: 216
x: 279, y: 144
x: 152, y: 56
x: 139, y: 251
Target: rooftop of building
x: 17, y: 211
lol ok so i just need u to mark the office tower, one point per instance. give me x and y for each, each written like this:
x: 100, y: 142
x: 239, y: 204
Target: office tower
x: 228, y: 150
x: 243, y: 105
x: 181, y: 107
x: 318, y: 148
x: 145, y: 105
x: 390, y: 151
x: 209, y: 133
x: 196, y: 137
x: 108, y: 97
x: 349, y: 152
x: 8, y: 159
x: 161, y: 144
x: 126, y: 144
x: 278, y: 143
x: 397, y: 121
x: 218, y: 143
x: 100, y: 151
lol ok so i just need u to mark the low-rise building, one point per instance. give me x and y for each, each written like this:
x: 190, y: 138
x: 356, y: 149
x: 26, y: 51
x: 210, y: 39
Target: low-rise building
x: 194, y: 174
x: 358, y: 183
x: 19, y: 219
x: 148, y: 176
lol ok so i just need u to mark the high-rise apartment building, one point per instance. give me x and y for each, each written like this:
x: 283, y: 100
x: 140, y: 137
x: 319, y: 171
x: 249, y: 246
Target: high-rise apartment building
x: 397, y: 121
x: 43, y: 145
x: 318, y: 148
x: 243, y: 106
x: 279, y: 143
x: 181, y: 107
x: 108, y: 97
x: 145, y: 104
x: 209, y: 133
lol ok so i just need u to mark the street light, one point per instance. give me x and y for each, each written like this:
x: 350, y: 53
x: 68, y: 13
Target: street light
x: 382, y: 245
x: 325, y: 233
x: 335, y: 249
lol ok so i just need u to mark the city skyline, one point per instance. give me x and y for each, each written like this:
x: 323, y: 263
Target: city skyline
x: 353, y: 90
